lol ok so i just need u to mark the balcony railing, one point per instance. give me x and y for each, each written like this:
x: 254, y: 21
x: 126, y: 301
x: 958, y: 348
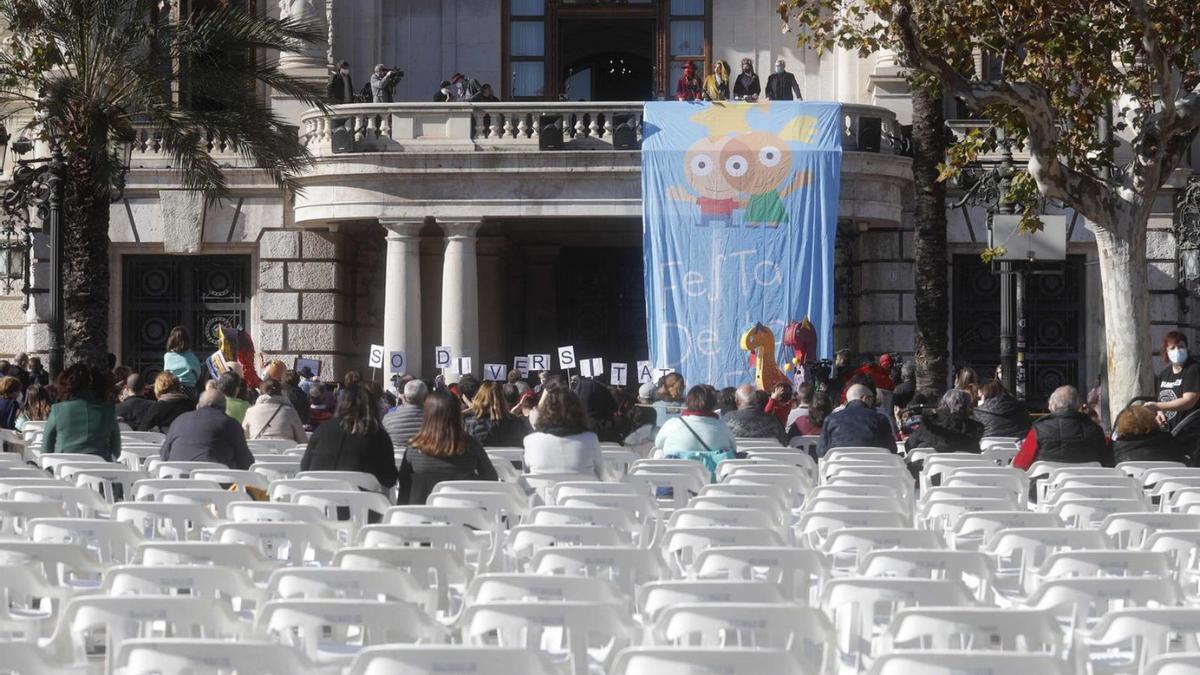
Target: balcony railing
x: 469, y: 127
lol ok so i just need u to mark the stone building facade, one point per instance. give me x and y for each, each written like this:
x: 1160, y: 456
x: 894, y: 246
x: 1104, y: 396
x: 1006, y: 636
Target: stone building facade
x: 422, y: 224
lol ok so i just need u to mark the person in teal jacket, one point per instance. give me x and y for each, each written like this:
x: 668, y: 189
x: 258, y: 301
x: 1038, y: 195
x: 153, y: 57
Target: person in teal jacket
x: 181, y: 362
x: 85, y: 420
x: 699, y: 433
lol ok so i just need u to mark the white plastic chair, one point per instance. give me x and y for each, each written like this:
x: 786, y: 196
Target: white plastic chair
x: 782, y: 500
x: 329, y: 632
x: 1080, y: 601
x: 356, y: 506
x: 30, y: 605
x: 943, y: 514
x: 972, y: 530
x: 1020, y: 551
x: 77, y: 502
x: 627, y: 568
x: 692, y: 660
x: 422, y: 659
x: 283, y: 489
x: 236, y: 555
x: 1174, y: 664
x: 814, y: 528
x: 215, y: 499
x: 798, y: 572
x: 442, y: 572
x: 232, y: 586
x: 112, y: 542
x: 370, y: 585
x: 524, y: 541
x: 15, y: 516
x: 1012, y: 629
x: 226, y: 476
x: 973, y: 568
x: 1183, y: 548
x: 803, y: 631
x: 1125, y: 640
x: 181, y: 469
x: 669, y: 490
x: 173, y: 522
x: 181, y: 656
x: 533, y: 625
x: 682, y: 545
x: 938, y: 662
x: 1090, y: 513
x: 1067, y: 564
x: 60, y: 564
x: 848, y: 547
x: 147, y: 489
x: 656, y: 596
x: 1130, y: 530
x: 361, y: 480
x: 289, y: 543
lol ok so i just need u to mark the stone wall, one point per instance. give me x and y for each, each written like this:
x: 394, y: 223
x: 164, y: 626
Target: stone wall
x: 301, y: 282
x: 365, y: 271
x: 885, y: 288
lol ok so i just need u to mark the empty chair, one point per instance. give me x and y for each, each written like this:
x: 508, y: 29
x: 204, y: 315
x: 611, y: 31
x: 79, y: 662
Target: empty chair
x: 361, y: 480
x: 848, y: 547
x: 525, y: 540
x: 283, y: 489
x: 418, y: 659
x: 669, y: 490
x: 943, y: 514
x: 225, y: 476
x: 973, y: 529
x: 1065, y: 564
x: 132, y: 616
x: 508, y: 587
x: 828, y: 502
x: 77, y: 502
x: 1080, y: 601
x: 147, y: 489
x: 1012, y: 629
x: 937, y: 662
x: 626, y: 568
x: 727, y: 517
x: 814, y: 528
x: 973, y: 568
x: 475, y: 550
x: 1091, y: 513
x: 1020, y: 551
x: 60, y: 564
x: 112, y: 484
x: 236, y: 555
x: 328, y: 583
x: 15, y: 516
x: 798, y: 572
x: 692, y: 660
x: 615, y: 518
x: 112, y: 542
x: 29, y: 605
x: 290, y: 543
x: 765, y: 505
x: 232, y: 586
x: 852, y: 604
x: 182, y: 469
x: 656, y: 596
x: 442, y: 572
x: 272, y: 471
x: 183, y: 656
x: 776, y: 494
x: 358, y: 507
x: 803, y: 631
x: 213, y: 499
x: 172, y: 522
x: 1183, y: 548
x: 682, y: 545
x: 1130, y: 530
x: 1126, y: 640
x: 1174, y: 664
x: 1013, y: 480
x: 331, y: 631
x: 585, y: 635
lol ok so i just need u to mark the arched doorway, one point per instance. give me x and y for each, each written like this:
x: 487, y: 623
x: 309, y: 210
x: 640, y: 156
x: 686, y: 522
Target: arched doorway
x: 607, y: 60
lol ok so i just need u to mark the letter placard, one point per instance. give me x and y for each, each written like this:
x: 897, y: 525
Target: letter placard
x: 585, y: 368
x: 566, y: 357
x: 521, y: 365
x: 597, y: 365
x: 376, y: 357
x: 443, y: 357
x: 618, y: 372
x: 497, y: 372
x: 462, y: 365
x: 398, y: 363
x: 645, y: 372
x: 539, y: 362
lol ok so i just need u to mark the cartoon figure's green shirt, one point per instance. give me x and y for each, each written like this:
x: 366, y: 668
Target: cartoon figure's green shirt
x: 766, y: 208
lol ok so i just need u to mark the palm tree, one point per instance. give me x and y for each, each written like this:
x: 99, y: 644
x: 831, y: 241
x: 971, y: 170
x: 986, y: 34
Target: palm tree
x: 87, y: 71
x: 932, y: 302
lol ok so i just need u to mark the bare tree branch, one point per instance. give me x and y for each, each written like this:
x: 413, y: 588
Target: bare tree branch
x: 1156, y: 55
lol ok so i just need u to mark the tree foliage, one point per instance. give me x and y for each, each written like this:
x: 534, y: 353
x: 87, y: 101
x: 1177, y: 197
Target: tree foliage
x: 1057, y: 66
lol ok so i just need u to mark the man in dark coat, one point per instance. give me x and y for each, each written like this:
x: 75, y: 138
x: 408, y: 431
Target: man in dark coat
x: 1065, y: 435
x: 134, y: 406
x: 781, y: 85
x: 207, y: 434
x: 858, y: 424
x: 341, y: 86
x: 750, y: 420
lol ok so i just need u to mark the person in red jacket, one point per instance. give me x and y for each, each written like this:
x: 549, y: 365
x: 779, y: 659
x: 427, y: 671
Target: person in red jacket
x: 780, y: 403
x: 1065, y: 435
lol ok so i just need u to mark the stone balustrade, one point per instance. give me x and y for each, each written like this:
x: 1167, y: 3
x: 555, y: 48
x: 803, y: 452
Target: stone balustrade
x: 469, y: 127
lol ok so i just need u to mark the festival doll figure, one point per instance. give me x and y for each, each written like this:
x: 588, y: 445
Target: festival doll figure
x: 709, y: 179
x: 764, y: 165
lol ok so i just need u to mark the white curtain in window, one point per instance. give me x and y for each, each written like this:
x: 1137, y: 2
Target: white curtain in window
x: 528, y: 38
x: 527, y: 78
x: 687, y: 38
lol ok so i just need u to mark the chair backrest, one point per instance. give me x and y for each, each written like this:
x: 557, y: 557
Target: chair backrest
x: 1082, y: 599
x: 231, y: 585
x: 112, y: 542
x: 435, y: 570
x: 848, y: 547
x: 182, y: 656
x: 1144, y: 634
x: 172, y: 522
x: 525, y: 540
x: 1174, y: 664
x: 15, y: 516
x: 421, y: 659
x: 974, y: 568
x: 227, y: 554
x: 725, y: 517
x: 774, y: 492
x: 509, y: 587
x: 972, y: 530
x: 627, y: 568
x: 182, y: 469
x: 147, y: 489
x: 814, y: 527
x: 940, y: 662
x: 1065, y: 564
x: 283, y: 489
x: 358, y: 507
x: 942, y: 514
x: 215, y: 499
x: 681, y: 545
x: 333, y: 629
x: 656, y: 596
x: 112, y: 484
x: 1011, y: 629
x: 1023, y: 549
x: 226, y: 476
x: 798, y: 572
x: 521, y: 624
x: 691, y: 660
x: 1091, y: 512
x: 273, y: 471
x: 1130, y: 530
x: 60, y: 564
x: 804, y: 631
x: 669, y: 490
x: 359, y: 479
x: 291, y: 543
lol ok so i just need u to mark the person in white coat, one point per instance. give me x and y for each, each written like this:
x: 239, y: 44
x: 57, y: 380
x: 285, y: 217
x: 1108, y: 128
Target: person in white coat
x: 561, y: 442
x: 272, y: 416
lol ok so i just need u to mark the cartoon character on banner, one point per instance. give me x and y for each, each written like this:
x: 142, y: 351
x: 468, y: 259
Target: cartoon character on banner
x: 801, y: 336
x: 234, y: 345
x: 735, y: 168
x: 760, y: 342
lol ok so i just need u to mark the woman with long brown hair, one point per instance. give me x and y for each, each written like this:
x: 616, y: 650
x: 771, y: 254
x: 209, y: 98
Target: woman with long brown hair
x: 489, y: 422
x: 561, y: 442
x: 36, y: 407
x: 353, y: 440
x: 85, y: 420
x: 180, y: 361
x: 441, y: 450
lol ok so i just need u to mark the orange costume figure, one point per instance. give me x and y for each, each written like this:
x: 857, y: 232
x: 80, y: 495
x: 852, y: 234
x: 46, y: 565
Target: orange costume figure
x: 763, y: 164
x: 760, y: 342
x: 709, y: 179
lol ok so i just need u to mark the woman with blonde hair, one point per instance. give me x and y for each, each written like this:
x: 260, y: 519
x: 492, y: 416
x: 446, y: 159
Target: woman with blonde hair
x: 670, y: 397
x: 172, y: 402
x: 716, y: 85
x: 442, y: 450
x: 488, y: 421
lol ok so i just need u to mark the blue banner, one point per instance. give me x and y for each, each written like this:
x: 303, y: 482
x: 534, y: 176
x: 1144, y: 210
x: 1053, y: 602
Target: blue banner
x: 740, y: 205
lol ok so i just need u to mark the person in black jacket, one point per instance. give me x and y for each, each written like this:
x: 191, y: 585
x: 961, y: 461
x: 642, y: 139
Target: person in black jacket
x: 134, y: 403
x: 488, y: 421
x: 441, y: 450
x: 947, y: 428
x: 207, y: 434
x: 353, y: 440
x: 1138, y: 437
x: 171, y: 403
x: 858, y: 424
x: 1001, y: 415
x: 295, y: 395
x: 781, y: 85
x: 341, y: 87
x: 746, y: 86
x: 1065, y: 435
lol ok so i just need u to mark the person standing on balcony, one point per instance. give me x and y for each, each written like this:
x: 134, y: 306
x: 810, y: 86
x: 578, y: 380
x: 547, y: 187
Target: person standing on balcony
x: 781, y: 85
x: 341, y: 87
x: 383, y: 83
x: 746, y: 87
x: 688, y: 86
x: 443, y: 94
x: 716, y: 85
x: 486, y: 95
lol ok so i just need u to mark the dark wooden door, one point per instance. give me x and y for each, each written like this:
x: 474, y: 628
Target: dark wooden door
x: 1054, y: 315
x: 196, y: 292
x: 602, y: 304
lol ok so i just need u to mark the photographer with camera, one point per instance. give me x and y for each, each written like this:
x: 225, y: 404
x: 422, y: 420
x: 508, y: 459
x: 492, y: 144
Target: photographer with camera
x: 383, y: 83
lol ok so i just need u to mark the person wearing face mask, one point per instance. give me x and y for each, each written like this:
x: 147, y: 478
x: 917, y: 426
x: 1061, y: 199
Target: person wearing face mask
x: 444, y: 93
x: 746, y: 87
x: 1178, y: 383
x: 781, y: 85
x: 716, y: 86
x: 341, y: 87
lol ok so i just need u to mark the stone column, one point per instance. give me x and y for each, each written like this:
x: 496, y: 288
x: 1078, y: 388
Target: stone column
x: 402, y: 291
x: 460, y: 290
x: 312, y: 62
